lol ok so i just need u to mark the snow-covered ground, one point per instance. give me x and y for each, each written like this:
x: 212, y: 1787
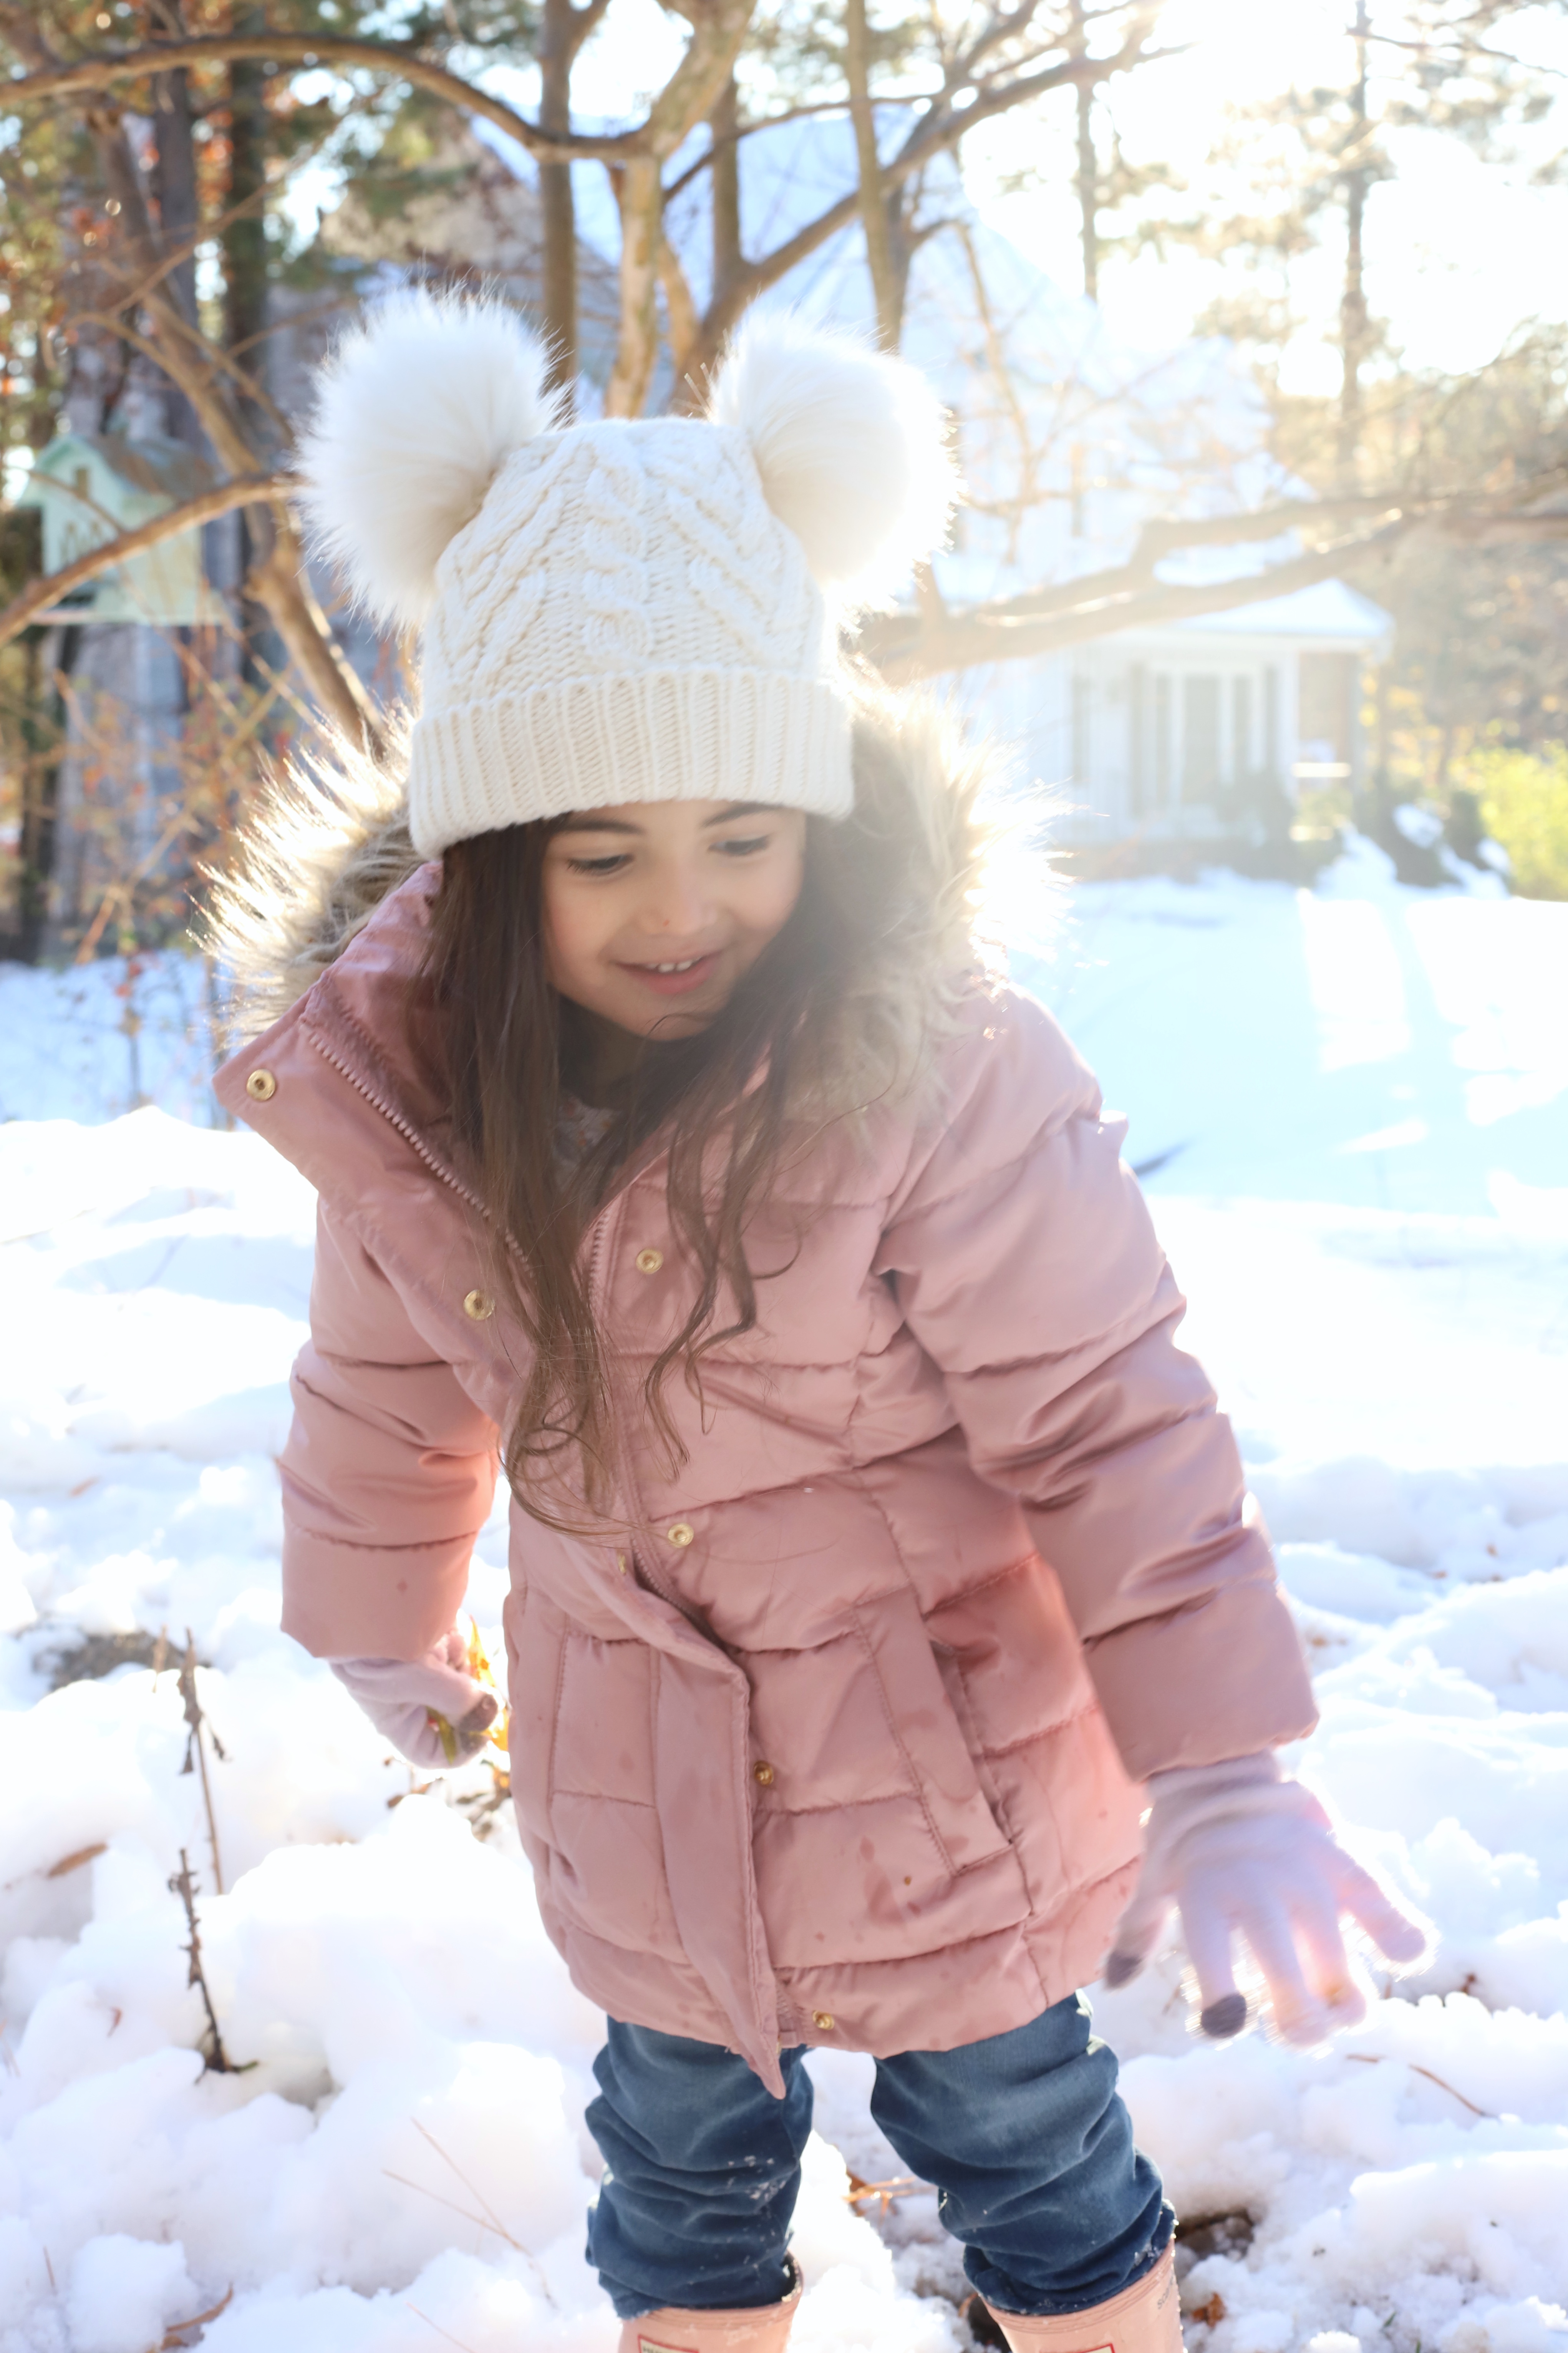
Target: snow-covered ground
x: 1357, y: 1102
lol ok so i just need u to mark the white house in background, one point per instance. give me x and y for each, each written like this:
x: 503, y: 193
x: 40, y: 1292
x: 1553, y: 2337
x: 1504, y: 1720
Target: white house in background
x: 1196, y: 728
x: 1193, y: 730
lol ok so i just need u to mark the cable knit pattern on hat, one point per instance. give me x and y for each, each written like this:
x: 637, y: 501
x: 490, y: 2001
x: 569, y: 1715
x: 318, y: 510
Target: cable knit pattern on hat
x: 619, y: 611
x: 626, y: 619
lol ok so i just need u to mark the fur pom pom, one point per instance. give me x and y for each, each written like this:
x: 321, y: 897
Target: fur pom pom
x: 415, y: 412
x: 850, y: 446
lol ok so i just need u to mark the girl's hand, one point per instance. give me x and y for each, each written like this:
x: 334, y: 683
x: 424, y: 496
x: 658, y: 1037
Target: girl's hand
x: 1239, y: 1846
x: 432, y: 1709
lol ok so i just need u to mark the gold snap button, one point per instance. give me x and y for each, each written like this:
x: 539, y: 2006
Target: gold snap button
x: 649, y: 1261
x: 764, y: 1776
x: 261, y: 1086
x: 823, y: 2020
x: 479, y: 1305
x: 682, y: 1533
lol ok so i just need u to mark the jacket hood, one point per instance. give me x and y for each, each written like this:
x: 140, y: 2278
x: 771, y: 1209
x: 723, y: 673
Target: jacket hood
x: 329, y: 841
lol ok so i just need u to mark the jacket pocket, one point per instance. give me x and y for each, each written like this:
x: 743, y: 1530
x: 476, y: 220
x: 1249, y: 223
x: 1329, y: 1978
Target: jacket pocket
x: 872, y: 1837
x: 922, y: 1721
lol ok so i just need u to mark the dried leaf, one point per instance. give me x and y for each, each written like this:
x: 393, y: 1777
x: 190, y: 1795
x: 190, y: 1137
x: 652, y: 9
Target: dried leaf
x: 74, y: 1861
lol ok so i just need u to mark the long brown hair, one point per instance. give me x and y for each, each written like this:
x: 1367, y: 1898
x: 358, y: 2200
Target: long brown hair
x: 728, y: 1107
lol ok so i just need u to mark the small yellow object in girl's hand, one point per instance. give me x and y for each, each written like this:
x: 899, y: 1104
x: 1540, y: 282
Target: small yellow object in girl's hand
x: 483, y: 1672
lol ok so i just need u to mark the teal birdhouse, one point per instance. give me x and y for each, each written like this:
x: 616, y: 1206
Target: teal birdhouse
x: 90, y: 486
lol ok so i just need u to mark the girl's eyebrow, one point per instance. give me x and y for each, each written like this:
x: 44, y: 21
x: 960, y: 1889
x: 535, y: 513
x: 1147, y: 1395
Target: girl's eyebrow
x: 585, y: 821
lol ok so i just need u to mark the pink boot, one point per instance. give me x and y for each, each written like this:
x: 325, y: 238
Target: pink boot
x: 757, y: 2329
x: 1144, y: 2318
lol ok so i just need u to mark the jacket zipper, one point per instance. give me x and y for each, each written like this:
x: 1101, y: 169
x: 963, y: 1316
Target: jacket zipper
x: 637, y: 1518
x: 395, y: 1119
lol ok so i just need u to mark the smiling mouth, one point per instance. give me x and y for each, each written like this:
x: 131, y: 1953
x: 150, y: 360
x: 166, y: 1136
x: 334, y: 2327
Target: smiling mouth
x: 677, y: 975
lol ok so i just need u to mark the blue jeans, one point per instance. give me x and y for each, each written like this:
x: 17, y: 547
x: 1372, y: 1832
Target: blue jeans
x: 1024, y: 2135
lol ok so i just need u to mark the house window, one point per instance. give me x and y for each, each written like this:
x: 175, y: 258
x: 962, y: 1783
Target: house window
x: 1080, y: 731
x: 1137, y: 739
x: 1242, y: 762
x: 1200, y: 739
x: 1269, y: 764
x: 1162, y: 742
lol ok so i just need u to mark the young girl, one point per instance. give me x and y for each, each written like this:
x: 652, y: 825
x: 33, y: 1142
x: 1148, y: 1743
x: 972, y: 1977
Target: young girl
x: 872, y: 1542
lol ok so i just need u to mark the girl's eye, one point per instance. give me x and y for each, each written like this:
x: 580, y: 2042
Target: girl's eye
x: 743, y: 845
x: 611, y: 864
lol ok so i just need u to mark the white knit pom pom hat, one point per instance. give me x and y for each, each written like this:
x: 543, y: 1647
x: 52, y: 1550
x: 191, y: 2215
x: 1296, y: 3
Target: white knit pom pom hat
x: 618, y: 611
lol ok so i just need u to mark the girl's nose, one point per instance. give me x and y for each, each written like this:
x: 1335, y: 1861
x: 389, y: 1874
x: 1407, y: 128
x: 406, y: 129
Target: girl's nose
x: 677, y: 904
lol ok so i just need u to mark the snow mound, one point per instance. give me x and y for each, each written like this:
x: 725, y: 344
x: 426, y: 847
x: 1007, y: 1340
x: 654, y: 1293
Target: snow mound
x: 1358, y: 1101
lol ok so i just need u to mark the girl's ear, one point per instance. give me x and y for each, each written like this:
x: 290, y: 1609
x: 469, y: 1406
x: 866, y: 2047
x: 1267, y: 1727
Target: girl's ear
x: 852, y: 445
x: 415, y: 412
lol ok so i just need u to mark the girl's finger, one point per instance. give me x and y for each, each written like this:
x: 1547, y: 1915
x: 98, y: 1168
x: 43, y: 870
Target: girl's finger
x: 1317, y: 1939
x: 1315, y: 1926
x: 1137, y: 1933
x: 1206, y: 1925
x: 1392, y: 1929
x: 1297, y: 2012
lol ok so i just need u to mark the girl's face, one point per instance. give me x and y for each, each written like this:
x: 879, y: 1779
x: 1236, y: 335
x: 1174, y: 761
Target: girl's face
x: 653, y: 910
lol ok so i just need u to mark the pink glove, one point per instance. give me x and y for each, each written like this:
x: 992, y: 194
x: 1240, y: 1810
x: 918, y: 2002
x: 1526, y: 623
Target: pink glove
x: 399, y: 1697
x: 1241, y: 1846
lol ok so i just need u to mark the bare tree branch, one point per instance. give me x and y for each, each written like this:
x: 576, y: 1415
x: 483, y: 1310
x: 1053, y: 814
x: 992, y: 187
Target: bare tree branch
x: 906, y: 646
x: 679, y: 308
x: 938, y: 130
x: 85, y: 75
x: 885, y: 288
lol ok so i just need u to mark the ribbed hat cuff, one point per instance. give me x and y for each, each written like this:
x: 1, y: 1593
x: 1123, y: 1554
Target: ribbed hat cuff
x: 640, y: 736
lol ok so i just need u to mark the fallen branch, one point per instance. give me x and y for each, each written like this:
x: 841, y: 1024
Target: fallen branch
x: 34, y: 602
x: 436, y: 2325
x: 485, y: 2219
x: 215, y: 2059
x: 1377, y: 2059
x: 195, y: 1748
x: 70, y: 1862
x: 173, y: 2339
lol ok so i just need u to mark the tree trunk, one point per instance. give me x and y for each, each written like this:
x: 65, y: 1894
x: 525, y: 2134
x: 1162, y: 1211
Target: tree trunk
x: 724, y: 175
x: 640, y: 195
x: 1353, y: 304
x: 173, y: 179
x: 51, y: 655
x: 244, y: 236
x: 558, y: 43
x: 897, y: 207
x: 873, y: 199
x: 1088, y: 174
x: 244, y: 304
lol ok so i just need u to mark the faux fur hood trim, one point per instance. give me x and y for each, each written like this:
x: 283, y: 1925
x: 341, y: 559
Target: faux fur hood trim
x: 329, y: 841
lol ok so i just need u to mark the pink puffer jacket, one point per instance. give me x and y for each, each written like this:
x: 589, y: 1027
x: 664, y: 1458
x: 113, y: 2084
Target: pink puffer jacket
x: 844, y: 1748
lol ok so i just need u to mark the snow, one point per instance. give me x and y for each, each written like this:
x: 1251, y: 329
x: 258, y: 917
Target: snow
x: 1353, y: 1108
